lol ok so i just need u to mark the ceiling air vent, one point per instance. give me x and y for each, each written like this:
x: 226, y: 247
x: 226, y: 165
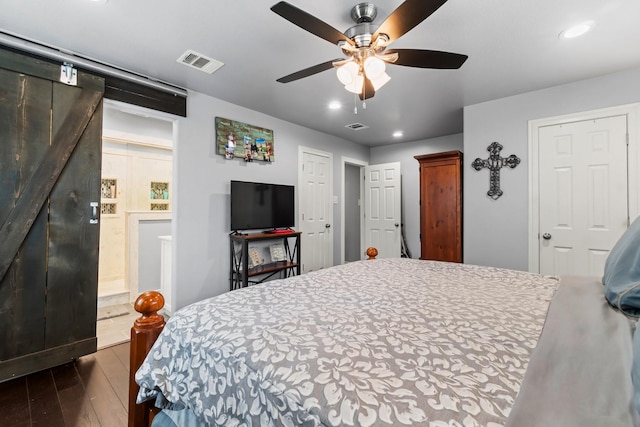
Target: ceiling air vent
x: 199, y: 61
x: 357, y: 126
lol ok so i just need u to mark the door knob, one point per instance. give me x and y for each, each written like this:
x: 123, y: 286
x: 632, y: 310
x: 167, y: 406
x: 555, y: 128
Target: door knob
x: 327, y: 226
x: 396, y: 224
x: 546, y: 236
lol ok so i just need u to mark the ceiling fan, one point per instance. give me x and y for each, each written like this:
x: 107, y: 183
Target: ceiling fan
x: 365, y: 45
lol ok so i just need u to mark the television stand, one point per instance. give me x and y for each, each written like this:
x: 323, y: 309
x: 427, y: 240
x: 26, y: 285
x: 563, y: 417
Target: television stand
x: 240, y: 272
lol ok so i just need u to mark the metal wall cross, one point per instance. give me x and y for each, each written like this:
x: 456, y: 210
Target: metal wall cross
x: 494, y: 163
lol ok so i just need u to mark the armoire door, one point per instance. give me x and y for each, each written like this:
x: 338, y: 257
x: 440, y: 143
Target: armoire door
x: 50, y: 145
x: 441, y: 206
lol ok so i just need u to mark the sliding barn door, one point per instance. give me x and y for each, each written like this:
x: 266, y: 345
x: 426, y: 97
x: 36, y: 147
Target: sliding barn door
x: 50, y: 144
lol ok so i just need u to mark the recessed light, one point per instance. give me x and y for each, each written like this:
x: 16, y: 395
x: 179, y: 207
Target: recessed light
x: 576, y: 30
x: 398, y: 134
x: 335, y: 105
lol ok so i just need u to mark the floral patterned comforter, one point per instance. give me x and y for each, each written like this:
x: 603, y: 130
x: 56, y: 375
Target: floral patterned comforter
x: 384, y: 342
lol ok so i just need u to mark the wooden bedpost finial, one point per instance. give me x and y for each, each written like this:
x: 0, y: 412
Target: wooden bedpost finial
x: 144, y: 333
x: 148, y: 304
x: 372, y: 253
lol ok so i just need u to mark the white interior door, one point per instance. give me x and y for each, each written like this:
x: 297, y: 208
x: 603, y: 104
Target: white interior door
x: 583, y: 194
x: 382, y: 188
x: 315, y: 209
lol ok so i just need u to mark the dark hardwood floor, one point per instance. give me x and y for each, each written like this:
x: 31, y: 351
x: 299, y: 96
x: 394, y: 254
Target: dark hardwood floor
x: 92, y: 391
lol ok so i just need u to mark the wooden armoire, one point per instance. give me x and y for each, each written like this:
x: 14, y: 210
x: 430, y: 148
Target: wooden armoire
x: 441, y: 206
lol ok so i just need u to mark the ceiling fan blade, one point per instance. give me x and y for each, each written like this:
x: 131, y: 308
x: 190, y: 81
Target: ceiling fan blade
x: 428, y: 58
x: 309, y: 22
x: 308, y: 71
x: 406, y: 16
x: 367, y: 90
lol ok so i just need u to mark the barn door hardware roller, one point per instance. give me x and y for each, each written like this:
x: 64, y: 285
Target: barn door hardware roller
x: 68, y: 74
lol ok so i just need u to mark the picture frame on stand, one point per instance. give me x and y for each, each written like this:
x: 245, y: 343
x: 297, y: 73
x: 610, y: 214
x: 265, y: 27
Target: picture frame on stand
x: 255, y: 258
x: 277, y: 252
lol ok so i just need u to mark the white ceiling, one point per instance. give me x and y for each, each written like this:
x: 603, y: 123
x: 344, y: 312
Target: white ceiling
x: 513, y: 47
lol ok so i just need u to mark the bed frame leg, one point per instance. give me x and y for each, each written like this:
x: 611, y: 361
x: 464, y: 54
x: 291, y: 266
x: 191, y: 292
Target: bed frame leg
x: 144, y: 333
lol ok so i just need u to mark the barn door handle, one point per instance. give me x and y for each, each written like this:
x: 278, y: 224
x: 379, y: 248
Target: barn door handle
x: 94, y: 213
x: 546, y: 236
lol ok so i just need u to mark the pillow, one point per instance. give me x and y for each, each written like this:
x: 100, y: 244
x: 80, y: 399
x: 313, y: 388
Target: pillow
x: 622, y: 272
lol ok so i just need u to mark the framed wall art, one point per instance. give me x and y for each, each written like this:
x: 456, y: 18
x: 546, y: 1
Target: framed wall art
x: 241, y: 140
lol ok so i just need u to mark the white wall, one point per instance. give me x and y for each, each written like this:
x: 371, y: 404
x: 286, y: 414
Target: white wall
x: 201, y: 183
x: 496, y: 232
x: 131, y: 123
x: 404, y: 153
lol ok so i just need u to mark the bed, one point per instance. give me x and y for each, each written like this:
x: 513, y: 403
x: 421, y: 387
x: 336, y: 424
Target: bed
x: 389, y: 342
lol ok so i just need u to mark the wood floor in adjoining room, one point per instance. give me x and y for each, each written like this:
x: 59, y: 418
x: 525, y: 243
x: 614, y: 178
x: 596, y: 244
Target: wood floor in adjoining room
x: 91, y: 391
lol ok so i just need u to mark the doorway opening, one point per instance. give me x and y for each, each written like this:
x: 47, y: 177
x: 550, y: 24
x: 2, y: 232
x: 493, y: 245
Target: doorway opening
x: 135, y: 221
x: 352, y: 210
x: 371, y: 209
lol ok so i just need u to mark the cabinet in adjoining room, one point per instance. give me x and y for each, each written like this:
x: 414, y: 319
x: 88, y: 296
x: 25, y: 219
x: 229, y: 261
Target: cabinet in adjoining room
x: 441, y: 206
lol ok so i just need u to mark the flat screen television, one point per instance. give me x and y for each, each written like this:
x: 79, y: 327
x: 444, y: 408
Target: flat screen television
x: 257, y: 205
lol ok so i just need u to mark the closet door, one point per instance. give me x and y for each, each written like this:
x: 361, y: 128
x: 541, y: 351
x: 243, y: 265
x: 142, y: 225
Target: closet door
x: 50, y: 144
x: 441, y: 206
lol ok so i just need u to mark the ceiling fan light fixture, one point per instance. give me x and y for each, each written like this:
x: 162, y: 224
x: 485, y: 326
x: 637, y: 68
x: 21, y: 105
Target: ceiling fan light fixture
x: 356, y: 85
x: 380, y: 81
x: 364, y: 69
x: 347, y: 73
x: 381, y: 41
x: 374, y: 67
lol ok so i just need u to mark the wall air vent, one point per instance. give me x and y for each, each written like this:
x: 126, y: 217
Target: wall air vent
x: 357, y: 126
x: 200, y: 62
